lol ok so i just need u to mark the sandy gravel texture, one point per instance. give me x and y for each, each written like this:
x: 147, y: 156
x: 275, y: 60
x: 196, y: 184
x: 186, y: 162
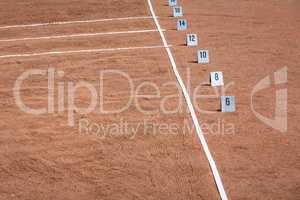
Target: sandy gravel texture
x: 44, y: 158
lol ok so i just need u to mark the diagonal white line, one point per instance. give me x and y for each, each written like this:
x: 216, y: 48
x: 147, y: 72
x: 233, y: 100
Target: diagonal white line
x: 80, y: 51
x: 79, y: 35
x: 74, y: 22
x: 210, y: 159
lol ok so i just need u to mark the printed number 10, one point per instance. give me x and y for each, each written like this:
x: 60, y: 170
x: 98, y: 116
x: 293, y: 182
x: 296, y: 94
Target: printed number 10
x: 203, y: 54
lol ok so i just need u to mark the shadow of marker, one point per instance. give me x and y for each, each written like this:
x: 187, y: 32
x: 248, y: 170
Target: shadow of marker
x: 206, y: 84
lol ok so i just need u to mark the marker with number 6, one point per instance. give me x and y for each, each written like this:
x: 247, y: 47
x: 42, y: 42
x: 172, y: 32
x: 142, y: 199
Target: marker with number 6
x: 228, y: 104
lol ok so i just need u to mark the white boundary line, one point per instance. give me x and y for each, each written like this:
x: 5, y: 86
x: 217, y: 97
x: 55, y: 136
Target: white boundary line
x: 79, y: 35
x: 81, y: 51
x: 74, y: 22
x: 211, y: 161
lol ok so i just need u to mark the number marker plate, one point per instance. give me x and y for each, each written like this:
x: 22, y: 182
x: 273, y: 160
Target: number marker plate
x: 181, y: 24
x: 203, y: 56
x: 216, y: 79
x: 191, y: 40
x: 172, y: 2
x: 177, y: 11
x: 227, y: 103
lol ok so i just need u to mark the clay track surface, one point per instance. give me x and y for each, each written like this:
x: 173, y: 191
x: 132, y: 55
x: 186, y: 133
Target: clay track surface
x: 44, y: 158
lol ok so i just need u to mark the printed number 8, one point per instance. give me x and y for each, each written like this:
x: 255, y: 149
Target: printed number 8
x: 216, y: 76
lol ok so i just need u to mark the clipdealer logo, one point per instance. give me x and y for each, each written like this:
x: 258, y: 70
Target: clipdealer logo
x: 279, y: 122
x: 62, y: 97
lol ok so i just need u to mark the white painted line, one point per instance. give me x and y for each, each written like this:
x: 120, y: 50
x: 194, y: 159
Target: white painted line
x: 81, y: 51
x: 210, y: 159
x: 75, y: 22
x: 79, y: 35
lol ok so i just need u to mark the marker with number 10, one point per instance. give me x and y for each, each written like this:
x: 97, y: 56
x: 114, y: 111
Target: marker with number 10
x: 203, y: 57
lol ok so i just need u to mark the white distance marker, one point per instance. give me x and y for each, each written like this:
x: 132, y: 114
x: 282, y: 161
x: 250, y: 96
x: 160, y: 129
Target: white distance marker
x: 227, y: 103
x: 216, y: 79
x: 212, y: 164
x: 172, y: 2
x: 203, y: 56
x: 191, y: 40
x: 181, y: 24
x: 177, y: 11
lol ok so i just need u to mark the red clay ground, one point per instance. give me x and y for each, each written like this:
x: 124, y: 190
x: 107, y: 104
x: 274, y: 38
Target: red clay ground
x: 248, y: 40
x: 43, y: 158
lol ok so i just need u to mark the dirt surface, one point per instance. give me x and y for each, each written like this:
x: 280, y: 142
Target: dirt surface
x: 248, y: 40
x: 43, y: 157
